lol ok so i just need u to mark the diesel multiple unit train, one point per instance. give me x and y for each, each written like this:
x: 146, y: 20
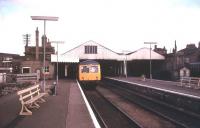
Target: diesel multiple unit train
x: 89, y: 71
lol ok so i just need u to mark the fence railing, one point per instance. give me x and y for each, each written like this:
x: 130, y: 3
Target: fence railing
x: 27, y: 77
x: 191, y: 82
x: 13, y: 78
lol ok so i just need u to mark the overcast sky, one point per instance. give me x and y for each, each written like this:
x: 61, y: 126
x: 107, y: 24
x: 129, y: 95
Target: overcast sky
x: 116, y: 24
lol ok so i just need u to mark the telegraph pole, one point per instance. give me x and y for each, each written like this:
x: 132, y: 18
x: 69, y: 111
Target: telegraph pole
x: 26, y: 39
x: 150, y: 70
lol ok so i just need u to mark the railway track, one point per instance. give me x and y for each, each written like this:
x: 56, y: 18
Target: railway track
x: 166, y: 111
x: 108, y: 114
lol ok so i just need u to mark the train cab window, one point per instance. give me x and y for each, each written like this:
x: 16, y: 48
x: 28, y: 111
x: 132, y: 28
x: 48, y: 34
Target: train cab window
x: 85, y: 69
x: 94, y: 69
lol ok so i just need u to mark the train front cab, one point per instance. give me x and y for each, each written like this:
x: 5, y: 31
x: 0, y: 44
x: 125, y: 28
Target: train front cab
x: 89, y: 74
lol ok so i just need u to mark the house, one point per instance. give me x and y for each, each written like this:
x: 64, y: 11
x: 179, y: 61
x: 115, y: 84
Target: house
x: 9, y: 63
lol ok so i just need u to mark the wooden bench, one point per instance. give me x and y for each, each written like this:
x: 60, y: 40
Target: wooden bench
x: 190, y: 82
x: 29, y: 98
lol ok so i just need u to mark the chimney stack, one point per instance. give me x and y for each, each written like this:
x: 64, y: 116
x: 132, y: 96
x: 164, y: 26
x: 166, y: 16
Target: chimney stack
x: 44, y: 41
x: 37, y: 44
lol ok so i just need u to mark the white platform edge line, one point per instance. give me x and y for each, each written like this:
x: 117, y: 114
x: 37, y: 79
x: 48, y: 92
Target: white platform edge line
x: 174, y: 92
x: 94, y: 119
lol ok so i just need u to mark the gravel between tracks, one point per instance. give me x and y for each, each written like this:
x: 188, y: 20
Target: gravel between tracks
x: 146, y: 118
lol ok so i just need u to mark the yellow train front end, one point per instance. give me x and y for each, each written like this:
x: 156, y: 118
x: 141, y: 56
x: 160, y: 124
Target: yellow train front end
x: 89, y: 73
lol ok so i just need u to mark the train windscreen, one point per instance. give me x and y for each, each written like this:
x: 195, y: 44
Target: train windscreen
x: 91, y: 69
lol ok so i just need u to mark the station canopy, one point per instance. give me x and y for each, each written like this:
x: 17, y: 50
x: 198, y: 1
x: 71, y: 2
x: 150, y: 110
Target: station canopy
x: 144, y: 54
x: 64, y: 59
x: 96, y: 51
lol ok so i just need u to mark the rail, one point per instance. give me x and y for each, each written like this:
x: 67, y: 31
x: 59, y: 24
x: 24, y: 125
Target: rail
x: 110, y: 115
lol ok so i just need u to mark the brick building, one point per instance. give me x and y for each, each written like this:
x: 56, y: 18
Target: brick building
x: 162, y: 51
x: 188, y: 57
x: 34, y: 55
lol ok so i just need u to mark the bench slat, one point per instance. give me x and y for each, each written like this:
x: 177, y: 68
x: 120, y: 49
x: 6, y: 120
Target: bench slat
x: 30, y: 94
x: 27, y: 89
x: 35, y: 98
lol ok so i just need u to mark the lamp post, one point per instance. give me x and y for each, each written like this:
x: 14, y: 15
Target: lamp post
x: 57, y: 42
x: 44, y: 18
x: 125, y: 62
x: 150, y: 70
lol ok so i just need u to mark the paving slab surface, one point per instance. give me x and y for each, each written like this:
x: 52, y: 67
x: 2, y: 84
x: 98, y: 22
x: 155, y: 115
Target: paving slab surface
x: 65, y: 110
x: 166, y: 85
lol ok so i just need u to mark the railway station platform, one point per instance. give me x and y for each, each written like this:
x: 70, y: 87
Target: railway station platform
x: 65, y: 110
x: 171, y: 86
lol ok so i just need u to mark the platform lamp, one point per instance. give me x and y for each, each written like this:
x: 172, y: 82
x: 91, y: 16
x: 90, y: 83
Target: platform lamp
x: 150, y: 70
x: 57, y: 42
x: 125, y: 61
x: 44, y: 18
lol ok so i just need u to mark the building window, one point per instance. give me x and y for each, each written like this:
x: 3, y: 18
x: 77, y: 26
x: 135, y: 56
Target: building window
x: 26, y: 70
x: 46, y: 69
x: 90, y: 49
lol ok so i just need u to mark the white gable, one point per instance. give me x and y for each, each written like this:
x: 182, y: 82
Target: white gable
x: 144, y: 54
x: 102, y: 52
x: 64, y: 58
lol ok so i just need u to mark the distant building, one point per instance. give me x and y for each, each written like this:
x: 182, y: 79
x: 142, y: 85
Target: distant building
x: 34, y: 55
x: 9, y: 63
x: 188, y: 57
x: 162, y: 51
x: 36, y: 52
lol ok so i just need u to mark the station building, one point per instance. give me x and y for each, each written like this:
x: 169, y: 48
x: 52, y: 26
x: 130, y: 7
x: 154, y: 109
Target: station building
x: 33, y: 60
x: 135, y: 63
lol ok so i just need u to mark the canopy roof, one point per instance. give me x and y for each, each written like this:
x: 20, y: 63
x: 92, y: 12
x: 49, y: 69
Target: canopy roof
x: 64, y: 58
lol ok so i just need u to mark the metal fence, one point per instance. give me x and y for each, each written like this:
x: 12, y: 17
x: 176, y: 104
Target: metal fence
x: 19, y: 78
x: 191, y: 82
